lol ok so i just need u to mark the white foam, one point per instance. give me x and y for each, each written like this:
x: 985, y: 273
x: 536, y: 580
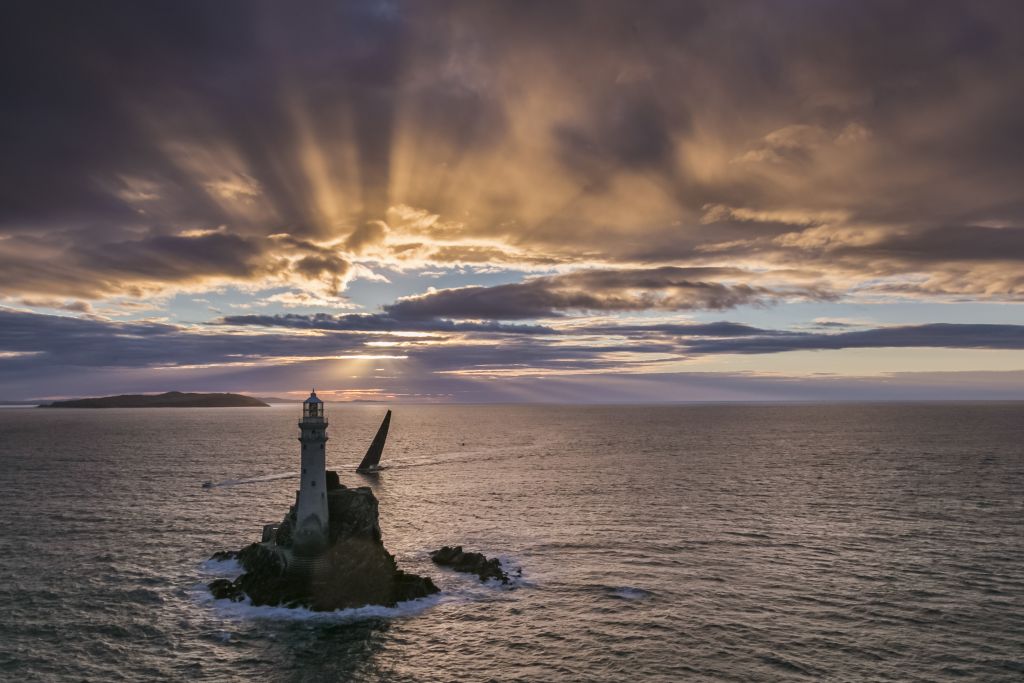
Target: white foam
x: 629, y: 593
x: 467, y: 591
x: 245, y: 610
x: 516, y: 574
x: 229, y: 569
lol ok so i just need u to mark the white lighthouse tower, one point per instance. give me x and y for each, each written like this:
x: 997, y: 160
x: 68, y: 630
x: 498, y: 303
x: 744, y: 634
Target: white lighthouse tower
x: 311, y: 518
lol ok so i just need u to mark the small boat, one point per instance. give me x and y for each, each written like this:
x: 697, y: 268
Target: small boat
x: 371, y: 461
x: 207, y: 484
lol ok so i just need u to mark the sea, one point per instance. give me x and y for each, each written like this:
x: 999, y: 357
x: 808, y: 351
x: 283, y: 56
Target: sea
x: 841, y: 542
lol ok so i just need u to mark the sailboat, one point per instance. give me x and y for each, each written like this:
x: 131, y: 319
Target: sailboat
x: 371, y: 461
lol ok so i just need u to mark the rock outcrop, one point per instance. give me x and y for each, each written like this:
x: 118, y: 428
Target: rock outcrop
x: 224, y: 555
x: 355, y: 570
x: 471, y: 563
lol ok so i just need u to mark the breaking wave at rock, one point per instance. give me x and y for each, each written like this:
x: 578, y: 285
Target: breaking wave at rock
x: 222, y: 568
x: 245, y: 610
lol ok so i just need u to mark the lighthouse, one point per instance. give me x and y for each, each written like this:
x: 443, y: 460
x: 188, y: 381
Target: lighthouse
x: 311, y: 518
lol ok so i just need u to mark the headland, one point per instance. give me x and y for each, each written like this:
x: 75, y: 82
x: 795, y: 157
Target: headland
x: 171, y: 399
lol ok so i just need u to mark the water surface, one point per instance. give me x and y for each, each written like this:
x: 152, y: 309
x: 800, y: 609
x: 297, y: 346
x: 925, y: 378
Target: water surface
x: 740, y: 542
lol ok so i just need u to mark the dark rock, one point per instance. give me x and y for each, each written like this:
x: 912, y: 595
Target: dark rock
x: 333, y: 481
x: 471, y: 563
x: 262, y: 558
x: 353, y: 514
x: 226, y: 589
x: 355, y: 570
x: 222, y: 555
x: 286, y: 529
x: 414, y: 586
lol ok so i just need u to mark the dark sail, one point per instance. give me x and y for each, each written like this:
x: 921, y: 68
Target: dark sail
x: 373, y: 453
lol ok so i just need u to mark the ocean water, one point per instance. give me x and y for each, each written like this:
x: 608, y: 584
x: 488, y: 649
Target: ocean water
x: 714, y: 542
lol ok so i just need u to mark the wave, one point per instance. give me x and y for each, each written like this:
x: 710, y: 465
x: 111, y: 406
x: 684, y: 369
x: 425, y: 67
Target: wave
x: 228, y: 569
x: 517, y: 577
x: 505, y: 453
x: 245, y: 610
x: 250, y: 480
x: 438, y: 459
x: 469, y: 590
x: 618, y: 592
x: 630, y: 593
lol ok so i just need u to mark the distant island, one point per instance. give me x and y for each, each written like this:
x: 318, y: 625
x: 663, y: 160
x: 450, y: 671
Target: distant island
x: 171, y: 399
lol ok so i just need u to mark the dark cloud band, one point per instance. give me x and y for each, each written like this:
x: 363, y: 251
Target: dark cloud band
x: 666, y: 288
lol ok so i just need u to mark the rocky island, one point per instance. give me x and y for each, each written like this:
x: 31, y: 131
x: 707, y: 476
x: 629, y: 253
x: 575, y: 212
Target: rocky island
x: 327, y: 552
x: 354, y: 569
x: 171, y: 399
x: 470, y: 563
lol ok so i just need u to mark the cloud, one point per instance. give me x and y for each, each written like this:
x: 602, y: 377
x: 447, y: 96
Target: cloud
x: 330, y: 268
x: 368, y: 322
x: 715, y: 329
x: 705, y: 156
x: 474, y: 135
x: 72, y: 306
x: 948, y: 244
x: 666, y: 288
x: 174, y: 258
x: 49, y: 354
x: 97, y: 267
x: 301, y: 299
x: 367, y: 234
x: 936, y: 335
x: 716, y: 213
x: 67, y: 342
x: 188, y: 259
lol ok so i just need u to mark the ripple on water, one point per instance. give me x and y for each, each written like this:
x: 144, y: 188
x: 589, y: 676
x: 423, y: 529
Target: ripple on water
x: 631, y: 593
x: 659, y: 544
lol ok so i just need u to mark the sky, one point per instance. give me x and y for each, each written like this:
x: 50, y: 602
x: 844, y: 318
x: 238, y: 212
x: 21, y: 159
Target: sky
x: 578, y: 201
